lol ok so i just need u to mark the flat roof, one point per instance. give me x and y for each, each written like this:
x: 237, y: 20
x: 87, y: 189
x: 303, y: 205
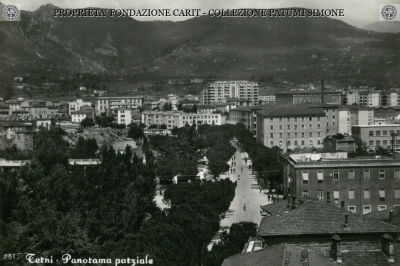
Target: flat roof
x: 370, y: 126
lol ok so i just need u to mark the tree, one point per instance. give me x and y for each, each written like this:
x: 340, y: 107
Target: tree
x: 87, y: 122
x: 145, y: 146
x: 135, y: 132
x: 194, y: 109
x: 180, y: 107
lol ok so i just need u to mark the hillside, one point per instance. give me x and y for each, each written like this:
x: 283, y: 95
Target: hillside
x: 384, y: 26
x: 288, y: 48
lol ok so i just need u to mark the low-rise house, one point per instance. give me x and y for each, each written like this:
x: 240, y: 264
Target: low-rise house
x: 16, y: 133
x: 340, y: 142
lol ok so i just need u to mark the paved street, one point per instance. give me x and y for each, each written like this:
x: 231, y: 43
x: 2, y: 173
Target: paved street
x: 247, y: 192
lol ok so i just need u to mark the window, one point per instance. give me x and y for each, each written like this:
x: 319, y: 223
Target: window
x: 320, y: 194
x: 271, y: 127
x: 381, y: 195
x: 381, y: 174
x: 280, y: 135
x: 288, y: 126
x: 302, y: 126
x: 295, y: 126
x: 302, y: 119
x: 310, y: 134
x: 280, y: 119
x: 385, y: 142
x: 396, y: 173
x: 302, y: 135
x: 370, y: 133
x: 352, y: 209
x: 371, y: 143
x: 310, y: 126
x: 351, y: 194
x: 318, y: 118
x: 335, y: 175
x: 305, y: 177
x: 295, y: 119
x: 271, y: 135
x: 397, y: 193
x: 328, y: 197
x: 319, y: 126
x: 302, y: 142
x: 310, y: 118
x: 272, y: 143
x: 336, y: 194
x: 305, y: 192
x: 295, y: 135
x: 384, y: 133
x: 378, y: 143
x: 366, y: 174
x: 351, y: 174
x: 366, y: 194
x: 366, y: 209
x: 381, y: 207
x: 288, y: 135
x: 319, y: 134
x: 271, y: 120
x: 280, y: 127
x: 310, y: 142
x: 378, y: 133
x: 288, y: 119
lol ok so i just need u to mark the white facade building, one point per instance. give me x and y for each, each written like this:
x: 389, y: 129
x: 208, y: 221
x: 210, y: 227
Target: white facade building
x: 179, y: 119
x: 76, y: 105
x: 124, y: 116
x: 106, y: 104
x: 219, y: 90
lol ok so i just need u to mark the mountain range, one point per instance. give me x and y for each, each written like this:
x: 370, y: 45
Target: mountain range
x: 201, y: 46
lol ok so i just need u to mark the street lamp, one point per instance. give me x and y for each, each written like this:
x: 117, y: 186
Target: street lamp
x: 394, y: 135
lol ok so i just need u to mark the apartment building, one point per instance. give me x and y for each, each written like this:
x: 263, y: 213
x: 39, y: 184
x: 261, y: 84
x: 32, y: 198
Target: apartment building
x: 267, y: 98
x: 124, y: 116
x: 84, y: 112
x: 76, y: 105
x: 108, y: 104
x: 219, y: 90
x: 360, y: 185
x: 378, y: 135
x: 314, y: 96
x: 179, y: 119
x: 291, y: 127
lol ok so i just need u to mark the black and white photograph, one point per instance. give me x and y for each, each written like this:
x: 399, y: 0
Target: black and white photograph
x: 200, y: 133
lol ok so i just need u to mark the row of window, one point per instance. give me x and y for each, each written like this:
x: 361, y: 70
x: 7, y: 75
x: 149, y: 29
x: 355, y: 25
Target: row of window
x: 384, y: 133
x: 367, y: 208
x: 350, y: 175
x: 295, y: 127
x: 288, y: 143
x: 384, y: 142
x: 288, y: 119
x: 295, y: 135
x: 351, y: 194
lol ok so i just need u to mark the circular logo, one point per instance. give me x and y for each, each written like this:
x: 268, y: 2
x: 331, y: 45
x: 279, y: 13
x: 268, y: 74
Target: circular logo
x: 10, y: 12
x: 388, y: 12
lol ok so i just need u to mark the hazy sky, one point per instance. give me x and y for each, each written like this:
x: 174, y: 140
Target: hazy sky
x: 357, y: 12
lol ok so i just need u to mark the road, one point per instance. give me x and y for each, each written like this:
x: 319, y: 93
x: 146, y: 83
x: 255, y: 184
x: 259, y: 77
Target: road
x: 247, y: 192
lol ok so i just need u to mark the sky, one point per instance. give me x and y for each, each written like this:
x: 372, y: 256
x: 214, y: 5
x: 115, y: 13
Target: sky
x: 357, y: 12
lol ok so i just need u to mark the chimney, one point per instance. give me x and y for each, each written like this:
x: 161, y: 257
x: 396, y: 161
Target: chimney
x: 336, y: 252
x: 387, y: 247
x: 346, y: 219
x: 293, y: 202
x: 391, y: 216
x: 322, y: 91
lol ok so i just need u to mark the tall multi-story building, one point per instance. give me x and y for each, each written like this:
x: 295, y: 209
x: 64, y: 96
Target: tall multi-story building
x: 370, y: 98
x: 219, y: 90
x: 179, y: 119
x: 361, y: 185
x: 377, y: 135
x: 291, y: 127
x: 107, y: 104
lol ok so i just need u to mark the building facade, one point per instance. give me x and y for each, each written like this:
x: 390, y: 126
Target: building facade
x: 219, y: 90
x: 107, y: 104
x: 76, y: 105
x: 360, y: 185
x: 179, y: 119
x: 314, y: 96
x: 378, y: 135
x: 124, y: 116
x: 291, y: 128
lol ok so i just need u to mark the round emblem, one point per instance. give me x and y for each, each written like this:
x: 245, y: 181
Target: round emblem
x: 389, y: 12
x: 10, y: 12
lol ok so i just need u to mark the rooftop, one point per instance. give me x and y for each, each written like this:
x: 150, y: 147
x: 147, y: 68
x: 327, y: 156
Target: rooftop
x: 317, y: 217
x: 308, y: 92
x: 280, y: 207
x: 384, y: 216
x: 14, y: 124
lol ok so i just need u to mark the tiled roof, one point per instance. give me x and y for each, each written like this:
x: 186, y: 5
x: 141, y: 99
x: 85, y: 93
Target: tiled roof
x: 279, y: 207
x: 309, y: 92
x: 384, y: 216
x: 281, y: 255
x: 14, y: 124
x: 318, y: 217
x: 365, y: 258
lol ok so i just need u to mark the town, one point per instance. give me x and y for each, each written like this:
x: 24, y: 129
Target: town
x: 337, y: 158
